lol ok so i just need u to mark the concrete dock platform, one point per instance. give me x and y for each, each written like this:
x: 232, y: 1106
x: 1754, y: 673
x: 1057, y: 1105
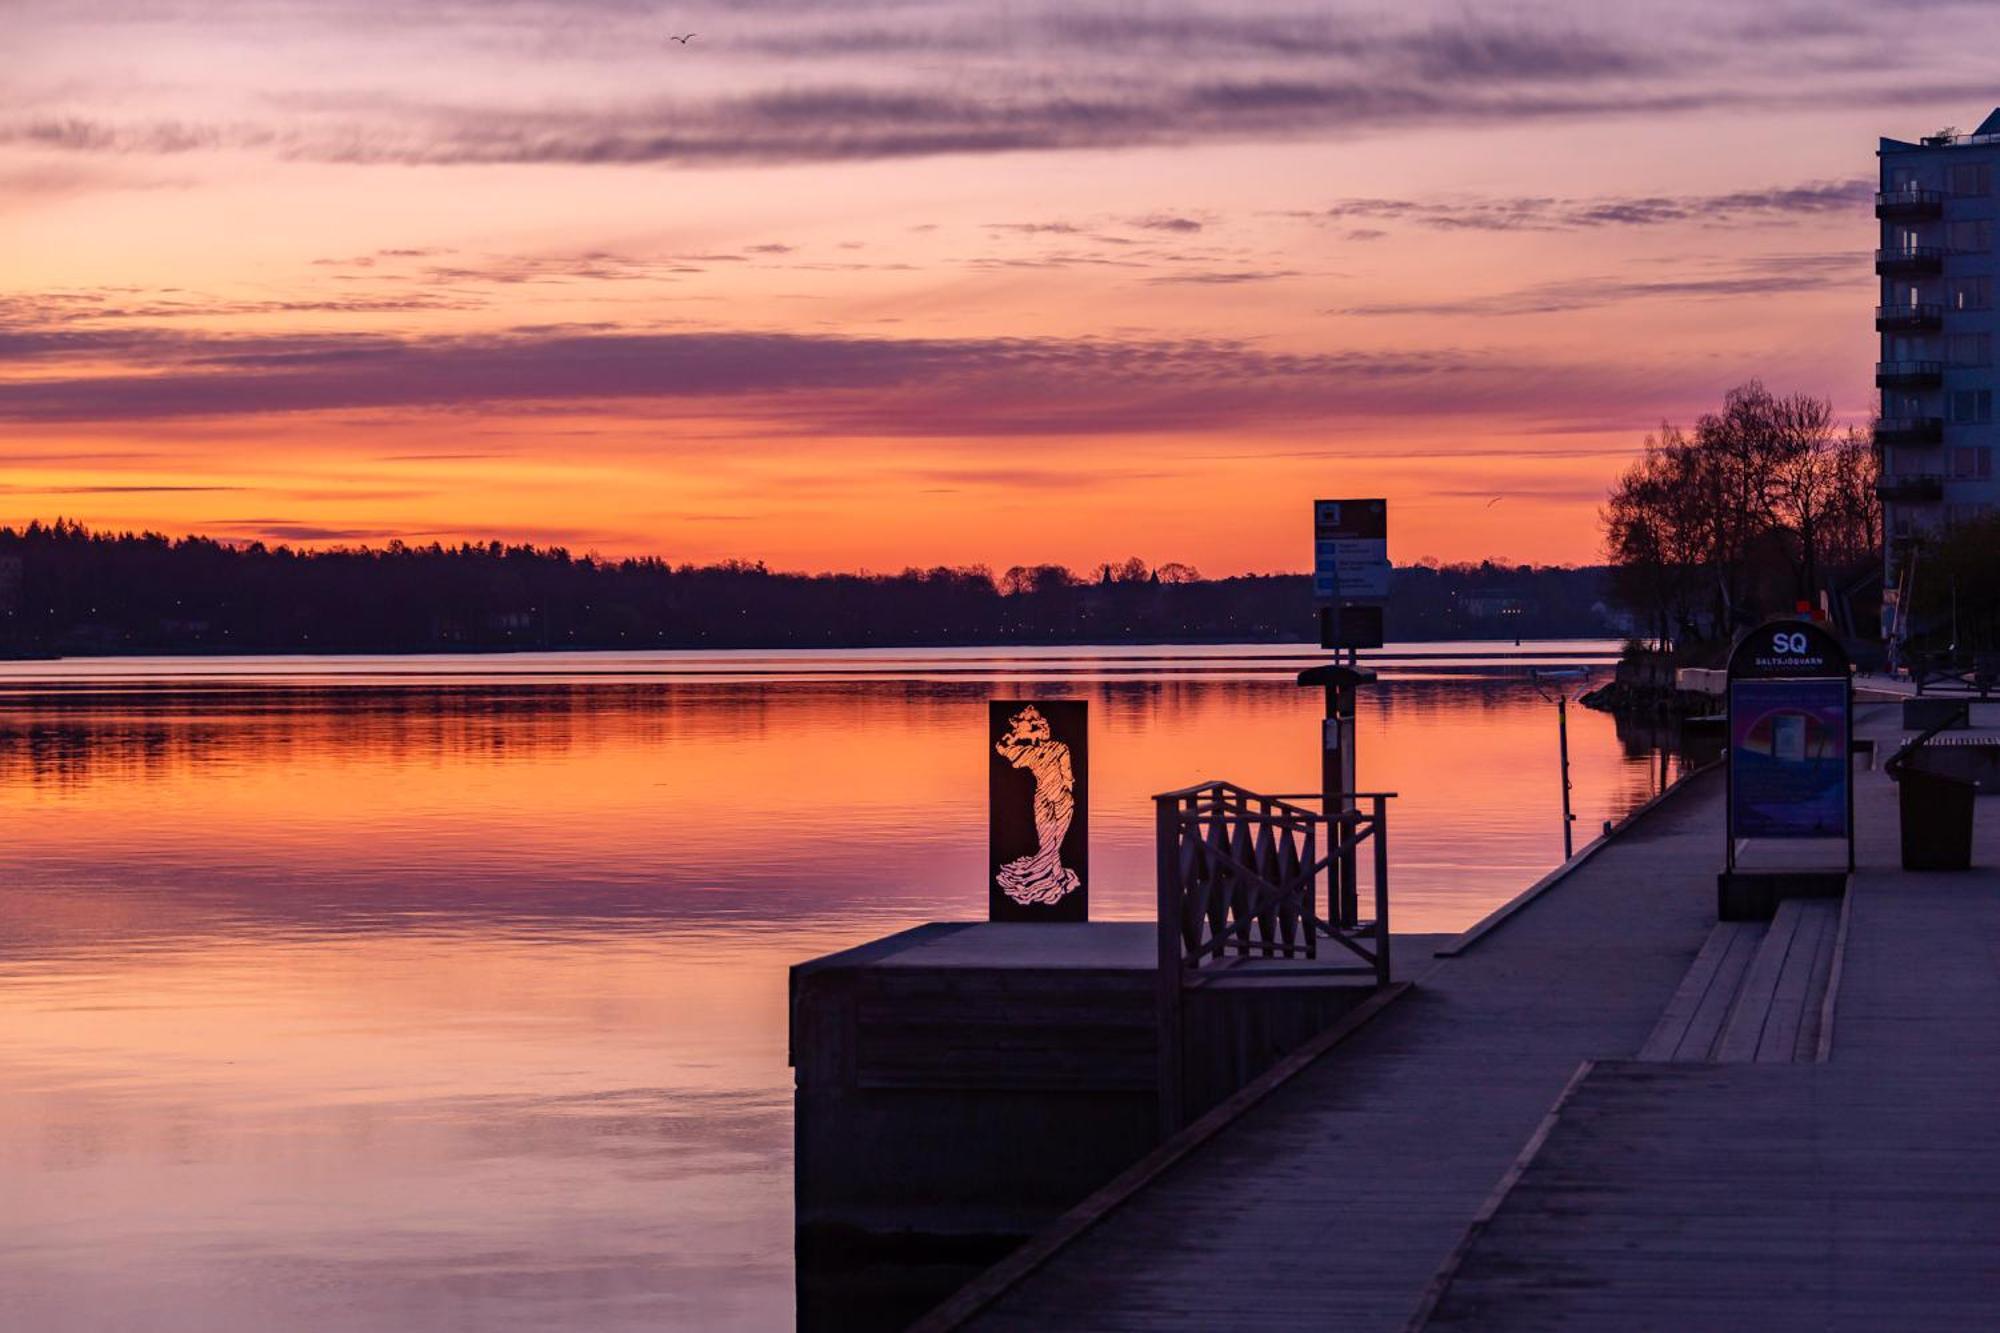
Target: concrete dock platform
x: 961, y: 1084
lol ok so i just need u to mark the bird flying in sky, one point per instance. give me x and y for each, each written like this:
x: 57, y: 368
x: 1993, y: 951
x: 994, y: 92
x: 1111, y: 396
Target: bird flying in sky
x: 683, y: 40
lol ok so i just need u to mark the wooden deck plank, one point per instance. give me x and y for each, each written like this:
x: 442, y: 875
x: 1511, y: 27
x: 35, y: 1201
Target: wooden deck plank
x: 1664, y: 1043
x: 1795, y: 996
x: 1752, y: 1010
x: 1816, y: 1029
x: 1704, y: 1030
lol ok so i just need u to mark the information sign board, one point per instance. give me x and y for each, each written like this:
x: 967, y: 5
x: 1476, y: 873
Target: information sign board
x: 1350, y: 551
x: 1791, y: 719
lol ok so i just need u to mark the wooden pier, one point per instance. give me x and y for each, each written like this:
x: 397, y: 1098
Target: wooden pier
x: 1609, y: 1111
x: 1341, y: 1194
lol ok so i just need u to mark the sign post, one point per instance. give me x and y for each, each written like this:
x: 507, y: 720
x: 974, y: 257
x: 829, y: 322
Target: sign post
x: 1350, y: 587
x: 1350, y: 571
x: 1336, y: 782
x: 1790, y: 767
x: 1038, y: 810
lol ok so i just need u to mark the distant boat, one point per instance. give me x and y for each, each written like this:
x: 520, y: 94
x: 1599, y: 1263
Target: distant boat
x: 1557, y: 673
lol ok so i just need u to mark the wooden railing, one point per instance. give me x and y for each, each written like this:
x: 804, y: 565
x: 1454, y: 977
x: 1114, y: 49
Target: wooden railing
x: 1240, y: 875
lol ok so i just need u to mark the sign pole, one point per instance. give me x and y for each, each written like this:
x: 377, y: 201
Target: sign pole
x: 1336, y: 784
x: 1562, y: 745
x: 1336, y: 753
x: 1351, y: 587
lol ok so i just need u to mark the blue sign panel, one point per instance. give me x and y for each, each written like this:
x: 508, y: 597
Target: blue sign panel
x: 1788, y: 764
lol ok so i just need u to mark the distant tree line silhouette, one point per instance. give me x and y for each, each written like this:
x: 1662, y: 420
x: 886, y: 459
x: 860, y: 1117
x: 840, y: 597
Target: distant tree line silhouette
x: 66, y: 589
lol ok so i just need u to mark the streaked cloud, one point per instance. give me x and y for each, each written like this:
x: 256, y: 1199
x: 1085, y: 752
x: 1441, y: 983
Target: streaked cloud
x: 1776, y: 275
x: 1550, y: 213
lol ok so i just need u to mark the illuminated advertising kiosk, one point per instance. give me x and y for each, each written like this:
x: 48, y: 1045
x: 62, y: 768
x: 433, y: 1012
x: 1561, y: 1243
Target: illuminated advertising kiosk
x: 1790, y: 810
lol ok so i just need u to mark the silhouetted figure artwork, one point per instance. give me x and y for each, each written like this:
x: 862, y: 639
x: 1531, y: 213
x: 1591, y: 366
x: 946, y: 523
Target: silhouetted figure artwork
x: 1041, y: 878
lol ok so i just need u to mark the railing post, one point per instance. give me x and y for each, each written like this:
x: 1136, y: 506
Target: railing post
x: 1310, y: 908
x: 1166, y: 835
x: 1381, y: 840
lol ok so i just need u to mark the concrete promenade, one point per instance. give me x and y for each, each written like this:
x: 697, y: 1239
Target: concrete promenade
x: 1334, y: 1201
x: 1859, y: 1193
x: 1613, y: 1113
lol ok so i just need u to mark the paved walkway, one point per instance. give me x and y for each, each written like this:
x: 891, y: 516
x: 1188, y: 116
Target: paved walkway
x: 1863, y: 1193
x: 1334, y: 1202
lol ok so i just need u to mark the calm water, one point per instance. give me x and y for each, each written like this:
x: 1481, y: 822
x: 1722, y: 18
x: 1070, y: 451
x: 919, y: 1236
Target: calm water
x: 449, y: 993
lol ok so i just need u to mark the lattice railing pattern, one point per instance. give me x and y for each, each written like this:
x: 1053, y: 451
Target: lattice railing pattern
x: 1240, y: 876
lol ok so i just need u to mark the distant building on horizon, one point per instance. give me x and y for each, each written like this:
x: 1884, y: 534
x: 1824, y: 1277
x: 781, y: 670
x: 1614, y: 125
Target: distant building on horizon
x: 1936, y: 321
x: 1498, y: 604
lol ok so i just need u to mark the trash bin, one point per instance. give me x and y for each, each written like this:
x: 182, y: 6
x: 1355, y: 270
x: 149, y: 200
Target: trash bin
x: 1937, y: 819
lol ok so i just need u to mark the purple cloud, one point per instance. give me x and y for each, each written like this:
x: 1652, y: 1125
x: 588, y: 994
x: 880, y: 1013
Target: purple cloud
x: 780, y: 383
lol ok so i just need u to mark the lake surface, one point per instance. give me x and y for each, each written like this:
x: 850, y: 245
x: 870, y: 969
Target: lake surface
x: 449, y: 992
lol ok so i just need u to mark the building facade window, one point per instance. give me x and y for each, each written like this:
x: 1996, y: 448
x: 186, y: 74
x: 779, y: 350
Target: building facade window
x: 1971, y: 178
x: 1972, y: 405
x: 1969, y: 349
x: 1971, y: 237
x: 1975, y: 293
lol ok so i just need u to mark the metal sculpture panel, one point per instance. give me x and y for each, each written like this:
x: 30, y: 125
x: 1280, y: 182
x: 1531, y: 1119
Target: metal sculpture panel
x: 1038, y: 810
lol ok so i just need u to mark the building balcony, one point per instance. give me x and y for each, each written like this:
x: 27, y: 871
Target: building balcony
x: 1915, y: 488
x: 1905, y: 261
x: 1909, y: 374
x: 1909, y: 205
x: 1907, y: 432
x: 1909, y: 318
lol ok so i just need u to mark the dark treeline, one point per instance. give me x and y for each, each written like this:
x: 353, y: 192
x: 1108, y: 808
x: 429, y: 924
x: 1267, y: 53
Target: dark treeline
x: 66, y: 589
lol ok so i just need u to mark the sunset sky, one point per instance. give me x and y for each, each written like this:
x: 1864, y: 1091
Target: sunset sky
x: 899, y: 282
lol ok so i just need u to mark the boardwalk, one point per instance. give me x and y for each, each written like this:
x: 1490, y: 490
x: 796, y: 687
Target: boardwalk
x: 1768, y: 1197
x: 1334, y: 1202
x: 1862, y: 1193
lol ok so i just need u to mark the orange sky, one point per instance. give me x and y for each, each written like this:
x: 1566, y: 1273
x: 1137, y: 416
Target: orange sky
x: 923, y: 281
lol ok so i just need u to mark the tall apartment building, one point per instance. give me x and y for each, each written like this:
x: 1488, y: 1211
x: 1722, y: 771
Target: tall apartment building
x: 1937, y: 321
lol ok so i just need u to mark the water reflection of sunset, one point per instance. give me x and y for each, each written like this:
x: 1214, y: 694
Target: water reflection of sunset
x: 592, y: 800
x: 471, y: 991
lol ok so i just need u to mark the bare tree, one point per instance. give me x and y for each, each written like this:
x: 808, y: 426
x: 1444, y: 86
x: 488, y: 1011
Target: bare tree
x: 1764, y: 495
